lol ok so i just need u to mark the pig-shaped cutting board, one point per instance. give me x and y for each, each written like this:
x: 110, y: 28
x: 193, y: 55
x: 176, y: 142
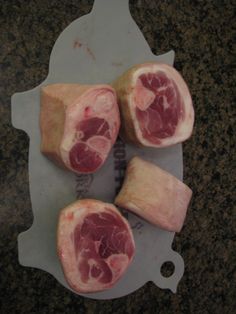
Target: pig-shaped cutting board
x: 94, y: 49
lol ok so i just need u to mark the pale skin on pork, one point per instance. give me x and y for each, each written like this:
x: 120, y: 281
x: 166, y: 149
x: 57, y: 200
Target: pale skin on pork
x: 154, y: 195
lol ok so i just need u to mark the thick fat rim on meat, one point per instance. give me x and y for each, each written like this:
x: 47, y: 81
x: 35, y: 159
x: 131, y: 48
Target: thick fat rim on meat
x: 63, y: 108
x: 125, y: 88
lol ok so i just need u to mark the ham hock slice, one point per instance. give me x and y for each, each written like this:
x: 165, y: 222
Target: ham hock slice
x: 155, y: 104
x: 95, y: 245
x: 154, y: 194
x: 79, y: 124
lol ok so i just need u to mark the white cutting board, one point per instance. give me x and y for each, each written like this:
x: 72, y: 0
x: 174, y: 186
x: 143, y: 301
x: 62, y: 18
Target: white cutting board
x: 95, y: 48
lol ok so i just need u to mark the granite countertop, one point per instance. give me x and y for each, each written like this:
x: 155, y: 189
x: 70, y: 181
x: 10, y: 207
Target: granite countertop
x: 201, y: 34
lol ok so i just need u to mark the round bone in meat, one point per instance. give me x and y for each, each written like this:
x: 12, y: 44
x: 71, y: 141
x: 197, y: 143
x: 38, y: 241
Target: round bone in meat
x: 79, y: 124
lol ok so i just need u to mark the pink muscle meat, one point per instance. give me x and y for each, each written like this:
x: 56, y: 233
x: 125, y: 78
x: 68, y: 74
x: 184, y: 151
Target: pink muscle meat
x: 79, y: 124
x: 95, y: 245
x: 156, y: 106
x: 154, y: 195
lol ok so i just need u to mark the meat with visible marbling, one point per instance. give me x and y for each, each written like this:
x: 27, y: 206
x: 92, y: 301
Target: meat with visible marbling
x: 95, y: 245
x: 155, y: 104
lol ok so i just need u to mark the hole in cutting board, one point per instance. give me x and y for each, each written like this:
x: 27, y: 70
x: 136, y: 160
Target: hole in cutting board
x: 167, y: 269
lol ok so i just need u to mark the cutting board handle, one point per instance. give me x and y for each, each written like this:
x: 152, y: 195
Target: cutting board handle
x: 114, y: 8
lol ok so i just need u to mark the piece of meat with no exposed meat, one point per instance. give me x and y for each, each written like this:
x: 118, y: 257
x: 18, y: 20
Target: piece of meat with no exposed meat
x: 154, y: 195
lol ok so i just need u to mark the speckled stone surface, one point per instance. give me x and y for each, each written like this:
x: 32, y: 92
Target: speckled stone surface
x: 201, y: 33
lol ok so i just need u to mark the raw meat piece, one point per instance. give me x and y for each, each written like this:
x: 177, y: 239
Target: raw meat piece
x: 79, y: 125
x: 95, y: 245
x: 155, y: 104
x: 154, y: 195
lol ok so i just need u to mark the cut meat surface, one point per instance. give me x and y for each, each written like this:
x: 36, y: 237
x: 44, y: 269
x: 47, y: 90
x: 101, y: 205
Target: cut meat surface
x: 154, y: 195
x: 155, y: 104
x: 95, y: 245
x: 93, y: 126
x: 79, y: 125
x: 161, y: 117
x: 84, y: 158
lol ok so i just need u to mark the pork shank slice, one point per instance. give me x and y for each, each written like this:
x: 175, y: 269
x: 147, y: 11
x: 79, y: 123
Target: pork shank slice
x: 155, y: 104
x: 154, y: 194
x: 79, y: 124
x: 95, y: 245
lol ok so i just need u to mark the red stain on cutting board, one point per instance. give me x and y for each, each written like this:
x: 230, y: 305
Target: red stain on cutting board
x: 90, y: 53
x: 77, y: 44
